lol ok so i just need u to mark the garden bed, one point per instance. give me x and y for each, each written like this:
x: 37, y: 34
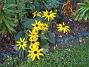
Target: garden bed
x: 10, y: 40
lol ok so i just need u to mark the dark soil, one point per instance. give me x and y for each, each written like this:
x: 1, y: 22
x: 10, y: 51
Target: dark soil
x: 6, y: 43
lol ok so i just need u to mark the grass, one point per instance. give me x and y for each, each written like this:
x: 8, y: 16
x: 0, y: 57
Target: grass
x: 74, y: 56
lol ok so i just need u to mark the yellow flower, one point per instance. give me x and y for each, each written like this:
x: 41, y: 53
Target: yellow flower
x: 36, y: 14
x: 33, y: 42
x: 63, y: 27
x: 35, y: 52
x: 33, y: 39
x: 49, y: 15
x: 44, y: 26
x: 37, y: 25
x: 22, y: 43
x: 33, y: 34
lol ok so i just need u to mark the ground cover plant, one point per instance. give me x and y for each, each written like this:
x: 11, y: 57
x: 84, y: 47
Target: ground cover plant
x: 32, y: 29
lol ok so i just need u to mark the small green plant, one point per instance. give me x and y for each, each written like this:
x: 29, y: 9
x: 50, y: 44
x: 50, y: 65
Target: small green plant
x: 83, y: 11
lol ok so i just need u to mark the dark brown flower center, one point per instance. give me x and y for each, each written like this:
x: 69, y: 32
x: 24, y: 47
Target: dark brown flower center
x: 35, y: 52
x: 63, y: 26
x: 21, y: 43
x: 33, y: 42
x: 36, y: 13
x: 48, y: 13
x: 36, y: 25
x: 33, y: 34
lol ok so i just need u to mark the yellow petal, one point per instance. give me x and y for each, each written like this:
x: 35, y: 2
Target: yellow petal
x: 38, y: 57
x: 41, y: 49
x: 63, y: 23
x: 21, y: 40
x: 41, y: 54
x: 33, y: 58
x: 29, y: 54
x: 19, y: 47
x: 23, y: 48
x: 18, y: 41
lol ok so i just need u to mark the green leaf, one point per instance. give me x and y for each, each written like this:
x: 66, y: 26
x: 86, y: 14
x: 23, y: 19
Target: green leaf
x: 1, y: 17
x: 42, y: 36
x: 29, y: 60
x: 82, y: 12
x: 28, y: 23
x: 43, y: 41
x: 8, y: 26
x: 50, y: 36
x: 11, y: 5
x: 21, y: 54
x: 86, y: 16
x: 46, y: 48
x: 19, y: 34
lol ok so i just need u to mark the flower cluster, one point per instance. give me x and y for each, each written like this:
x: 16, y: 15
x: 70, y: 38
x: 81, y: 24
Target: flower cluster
x: 34, y: 50
x: 49, y: 15
x: 33, y: 35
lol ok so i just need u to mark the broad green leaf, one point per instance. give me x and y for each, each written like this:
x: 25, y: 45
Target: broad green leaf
x: 45, y: 51
x: 42, y: 36
x: 46, y: 46
x: 50, y: 36
x: 43, y: 42
x: 28, y: 23
x: 19, y: 34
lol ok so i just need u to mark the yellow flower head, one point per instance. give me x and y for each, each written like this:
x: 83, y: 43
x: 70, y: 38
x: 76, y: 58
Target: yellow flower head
x: 33, y: 39
x: 44, y: 26
x: 63, y: 27
x: 36, y: 14
x: 35, y: 52
x: 37, y: 25
x: 49, y: 15
x: 33, y: 42
x: 33, y: 34
x: 22, y: 43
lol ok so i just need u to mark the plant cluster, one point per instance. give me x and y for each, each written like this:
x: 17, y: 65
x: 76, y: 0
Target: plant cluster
x: 31, y: 21
x: 36, y: 34
x: 83, y: 12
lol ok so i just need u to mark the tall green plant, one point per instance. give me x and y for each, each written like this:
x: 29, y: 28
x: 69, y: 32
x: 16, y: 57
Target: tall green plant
x: 7, y: 20
x: 83, y: 11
